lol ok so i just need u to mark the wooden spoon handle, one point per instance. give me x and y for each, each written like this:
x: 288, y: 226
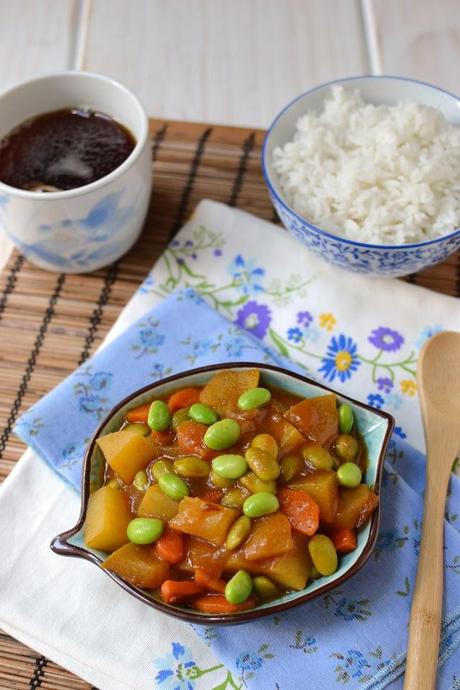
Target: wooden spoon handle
x: 426, y: 611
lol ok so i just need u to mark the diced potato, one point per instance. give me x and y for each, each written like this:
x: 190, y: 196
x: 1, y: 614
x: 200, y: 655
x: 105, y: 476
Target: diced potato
x: 323, y: 487
x: 127, y: 452
x: 156, y: 504
x: 286, y: 435
x: 225, y: 387
x: 138, y: 565
x: 317, y: 418
x: 210, y: 521
x: 107, y: 518
x: 269, y: 536
x: 202, y: 554
x: 292, y: 569
x: 355, y: 507
x: 238, y: 561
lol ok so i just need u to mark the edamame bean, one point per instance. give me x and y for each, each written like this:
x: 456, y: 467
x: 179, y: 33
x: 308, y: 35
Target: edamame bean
x: 141, y: 429
x: 264, y: 465
x: 239, y: 588
x: 260, y: 504
x: 173, y: 486
x: 141, y: 481
x: 144, y: 530
x: 349, y: 475
x: 318, y: 457
x: 345, y: 418
x: 222, y: 434
x: 159, y: 417
x: 203, y: 413
x: 290, y: 465
x: 230, y: 466
x: 178, y: 417
x: 267, y: 443
x: 113, y: 484
x: 265, y: 587
x: 234, y: 498
x: 160, y: 467
x: 219, y: 481
x: 238, y: 532
x: 254, y: 397
x: 323, y: 554
x: 252, y: 483
x: 191, y: 466
x: 346, y: 447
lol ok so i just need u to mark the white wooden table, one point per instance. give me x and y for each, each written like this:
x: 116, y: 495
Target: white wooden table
x: 228, y: 61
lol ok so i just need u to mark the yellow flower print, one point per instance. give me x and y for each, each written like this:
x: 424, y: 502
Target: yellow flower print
x: 409, y: 387
x: 327, y: 321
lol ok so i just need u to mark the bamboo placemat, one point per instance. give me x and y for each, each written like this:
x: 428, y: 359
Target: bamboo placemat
x: 50, y: 323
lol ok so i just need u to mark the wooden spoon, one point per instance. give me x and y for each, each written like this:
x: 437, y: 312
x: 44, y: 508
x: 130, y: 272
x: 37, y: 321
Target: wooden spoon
x: 438, y: 380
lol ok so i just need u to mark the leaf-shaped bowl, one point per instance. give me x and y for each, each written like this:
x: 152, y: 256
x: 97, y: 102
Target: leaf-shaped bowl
x: 375, y: 426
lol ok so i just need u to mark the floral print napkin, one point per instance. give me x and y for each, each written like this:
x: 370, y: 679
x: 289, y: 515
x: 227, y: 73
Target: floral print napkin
x: 340, y: 328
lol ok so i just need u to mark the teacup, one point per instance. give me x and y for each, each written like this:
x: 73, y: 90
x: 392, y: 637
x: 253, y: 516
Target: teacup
x: 85, y: 228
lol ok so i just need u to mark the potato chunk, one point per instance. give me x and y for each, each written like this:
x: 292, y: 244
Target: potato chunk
x: 138, y: 565
x: 127, y: 452
x: 210, y: 521
x: 292, y: 569
x: 269, y: 536
x: 355, y: 507
x: 107, y: 519
x: 203, y: 555
x: 317, y: 418
x: 156, y: 504
x: 323, y: 487
x: 225, y: 387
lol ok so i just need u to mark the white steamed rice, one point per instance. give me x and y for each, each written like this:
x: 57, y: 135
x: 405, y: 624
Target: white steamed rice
x: 376, y: 174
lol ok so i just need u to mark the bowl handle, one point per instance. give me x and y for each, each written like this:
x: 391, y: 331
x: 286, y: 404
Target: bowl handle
x: 61, y: 546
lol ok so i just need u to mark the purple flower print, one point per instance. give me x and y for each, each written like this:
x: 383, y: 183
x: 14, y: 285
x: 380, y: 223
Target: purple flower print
x: 384, y: 384
x: 304, y: 318
x: 386, y: 339
x: 255, y: 318
x: 217, y: 252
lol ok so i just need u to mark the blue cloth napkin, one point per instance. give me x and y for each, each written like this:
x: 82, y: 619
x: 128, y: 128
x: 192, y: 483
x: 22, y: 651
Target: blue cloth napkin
x: 354, y: 636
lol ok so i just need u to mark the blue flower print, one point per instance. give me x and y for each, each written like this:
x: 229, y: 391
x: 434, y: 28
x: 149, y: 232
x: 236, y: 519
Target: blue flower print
x: 294, y: 335
x: 348, y: 609
x: 90, y: 389
x: 159, y: 372
x: 246, y: 275
x: 341, y: 359
x: 354, y: 665
x: 150, y: 338
x: 249, y: 662
x: 100, y: 381
x: 394, y: 400
x: 174, y: 670
x: 148, y: 285
x: 235, y: 347
x: 398, y: 430
x: 92, y: 404
x: 375, y: 400
x: 427, y: 333
x: 71, y: 455
x: 390, y: 540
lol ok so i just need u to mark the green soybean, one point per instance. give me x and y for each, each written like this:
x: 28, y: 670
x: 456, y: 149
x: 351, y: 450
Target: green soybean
x: 113, y: 484
x: 173, y: 486
x: 239, y: 588
x: 159, y: 417
x: 234, y: 498
x: 346, y: 447
x: 178, y: 417
x: 222, y: 434
x: 160, y: 467
x: 318, y: 457
x: 260, y: 504
x: 252, y: 483
x: 141, y: 481
x: 191, y: 466
x: 203, y: 413
x: 144, y: 530
x: 238, y: 532
x: 265, y: 587
x: 254, y: 397
x: 230, y: 466
x: 141, y: 429
x: 219, y: 481
x: 345, y: 418
x: 349, y: 475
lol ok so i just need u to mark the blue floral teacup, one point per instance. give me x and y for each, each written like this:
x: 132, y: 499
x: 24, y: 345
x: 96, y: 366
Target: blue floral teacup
x: 81, y: 229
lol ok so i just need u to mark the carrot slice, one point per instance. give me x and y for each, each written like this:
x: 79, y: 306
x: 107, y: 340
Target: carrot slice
x: 173, y: 591
x: 183, y: 398
x: 217, y: 603
x: 170, y: 547
x: 138, y: 414
x: 190, y: 435
x: 213, y: 584
x: 344, y: 540
x: 300, y: 509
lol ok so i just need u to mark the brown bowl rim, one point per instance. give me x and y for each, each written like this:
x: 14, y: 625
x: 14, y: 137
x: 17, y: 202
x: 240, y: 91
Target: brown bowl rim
x: 60, y: 545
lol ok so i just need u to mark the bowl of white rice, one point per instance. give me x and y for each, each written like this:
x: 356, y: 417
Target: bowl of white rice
x: 365, y: 172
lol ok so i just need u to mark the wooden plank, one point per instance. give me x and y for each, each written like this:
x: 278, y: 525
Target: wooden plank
x: 233, y: 62
x: 419, y: 39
